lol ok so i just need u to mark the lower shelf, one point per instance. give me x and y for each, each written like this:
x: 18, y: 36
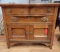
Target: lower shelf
x: 27, y: 41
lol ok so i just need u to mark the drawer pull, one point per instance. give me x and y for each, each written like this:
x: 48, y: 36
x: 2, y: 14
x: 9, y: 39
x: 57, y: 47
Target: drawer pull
x: 48, y: 10
x: 14, y: 19
x: 44, y: 19
x: 10, y: 10
x: 22, y: 10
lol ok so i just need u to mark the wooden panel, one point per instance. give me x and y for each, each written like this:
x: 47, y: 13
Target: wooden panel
x: 17, y: 32
x: 41, y: 31
x: 27, y: 32
x: 31, y: 5
x: 38, y: 32
x: 41, y: 10
x: 31, y: 35
x: 41, y: 26
x: 50, y: 9
x: 15, y: 11
x: 29, y: 19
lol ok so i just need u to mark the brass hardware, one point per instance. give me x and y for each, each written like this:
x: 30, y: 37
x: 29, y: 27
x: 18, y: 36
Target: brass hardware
x: 10, y: 10
x: 31, y: 32
x: 22, y: 10
x: 44, y: 19
x: 14, y: 19
x: 48, y: 10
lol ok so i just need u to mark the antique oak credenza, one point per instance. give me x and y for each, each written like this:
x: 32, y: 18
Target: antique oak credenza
x: 29, y: 23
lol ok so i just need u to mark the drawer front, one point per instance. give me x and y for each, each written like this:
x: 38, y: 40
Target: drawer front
x: 29, y: 19
x: 42, y: 10
x: 32, y: 11
x: 21, y: 11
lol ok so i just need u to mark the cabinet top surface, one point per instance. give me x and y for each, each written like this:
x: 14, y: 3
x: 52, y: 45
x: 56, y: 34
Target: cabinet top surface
x: 27, y: 5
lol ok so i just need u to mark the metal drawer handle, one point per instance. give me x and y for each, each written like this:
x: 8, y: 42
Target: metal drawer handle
x: 48, y: 10
x: 22, y: 10
x: 44, y: 19
x: 14, y: 19
x: 10, y: 10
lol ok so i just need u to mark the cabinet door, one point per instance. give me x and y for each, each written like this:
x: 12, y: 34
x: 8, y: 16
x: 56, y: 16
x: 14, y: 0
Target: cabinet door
x: 17, y: 32
x: 40, y: 32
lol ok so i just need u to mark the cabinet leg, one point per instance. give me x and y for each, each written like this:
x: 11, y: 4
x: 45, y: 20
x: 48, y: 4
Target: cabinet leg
x: 8, y: 45
x: 47, y: 44
x: 59, y: 38
x: 59, y: 27
x: 50, y: 47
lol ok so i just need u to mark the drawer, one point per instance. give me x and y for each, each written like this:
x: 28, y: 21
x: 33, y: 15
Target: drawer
x: 30, y: 19
x: 21, y: 11
x: 42, y: 10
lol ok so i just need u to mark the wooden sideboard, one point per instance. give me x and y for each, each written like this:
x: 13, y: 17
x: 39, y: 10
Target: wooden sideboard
x: 29, y: 23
